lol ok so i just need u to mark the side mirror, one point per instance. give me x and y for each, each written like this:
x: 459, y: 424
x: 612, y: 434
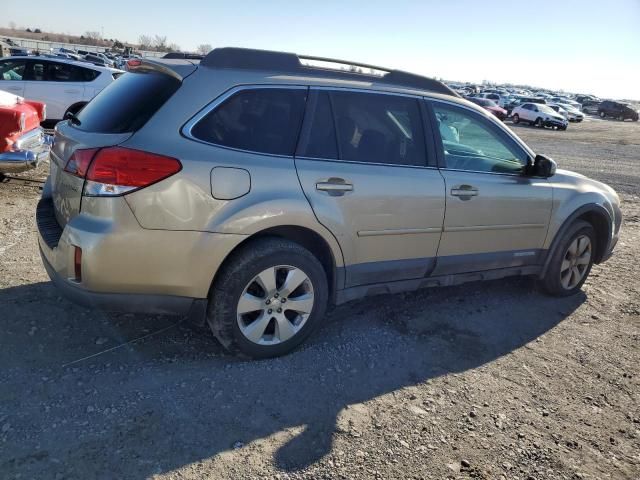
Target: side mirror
x: 543, y: 166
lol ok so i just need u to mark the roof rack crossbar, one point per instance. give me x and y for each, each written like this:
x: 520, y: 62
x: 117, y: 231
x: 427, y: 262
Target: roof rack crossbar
x: 250, y: 59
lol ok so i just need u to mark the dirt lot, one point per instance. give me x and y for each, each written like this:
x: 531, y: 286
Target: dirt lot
x: 480, y: 381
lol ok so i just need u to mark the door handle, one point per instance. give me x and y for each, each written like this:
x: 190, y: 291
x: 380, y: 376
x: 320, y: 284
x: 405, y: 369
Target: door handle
x: 14, y: 88
x: 334, y: 186
x: 464, y: 191
x: 72, y: 91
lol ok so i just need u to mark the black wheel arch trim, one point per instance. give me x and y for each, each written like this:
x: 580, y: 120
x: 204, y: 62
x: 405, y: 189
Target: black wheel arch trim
x: 584, y: 209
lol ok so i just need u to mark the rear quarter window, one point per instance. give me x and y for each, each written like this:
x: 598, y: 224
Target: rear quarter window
x: 127, y: 104
x: 263, y: 120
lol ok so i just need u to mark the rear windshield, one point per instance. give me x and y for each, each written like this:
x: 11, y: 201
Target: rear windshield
x: 127, y: 103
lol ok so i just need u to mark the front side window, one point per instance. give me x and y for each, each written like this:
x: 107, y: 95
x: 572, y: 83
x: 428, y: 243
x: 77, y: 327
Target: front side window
x: 12, y: 69
x: 265, y: 120
x: 370, y: 127
x: 471, y: 142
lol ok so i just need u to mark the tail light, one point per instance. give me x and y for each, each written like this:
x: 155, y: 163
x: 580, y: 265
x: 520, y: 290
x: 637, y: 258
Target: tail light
x: 117, y: 170
x: 79, y: 162
x: 40, y: 107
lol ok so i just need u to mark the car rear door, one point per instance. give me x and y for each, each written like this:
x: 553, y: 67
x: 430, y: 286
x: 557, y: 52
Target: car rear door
x: 496, y: 217
x: 370, y: 177
x: 57, y: 84
x: 12, y: 75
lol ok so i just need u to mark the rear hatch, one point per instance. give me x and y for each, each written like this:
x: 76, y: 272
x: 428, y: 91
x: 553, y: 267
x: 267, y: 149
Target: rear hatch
x: 109, y: 119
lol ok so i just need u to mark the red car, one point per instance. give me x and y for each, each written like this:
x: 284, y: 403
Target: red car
x: 23, y: 143
x: 491, y: 106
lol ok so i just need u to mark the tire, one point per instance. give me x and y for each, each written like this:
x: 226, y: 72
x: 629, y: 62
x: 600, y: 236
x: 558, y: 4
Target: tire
x: 555, y: 280
x: 562, y: 128
x: 516, y: 118
x: 602, y: 114
x: 539, y: 123
x: 273, y: 333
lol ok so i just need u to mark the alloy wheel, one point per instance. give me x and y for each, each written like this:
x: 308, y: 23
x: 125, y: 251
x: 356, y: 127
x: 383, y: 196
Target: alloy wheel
x: 575, y: 262
x: 275, y: 305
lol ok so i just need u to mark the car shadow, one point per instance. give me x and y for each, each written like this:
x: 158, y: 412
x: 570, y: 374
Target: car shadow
x: 174, y: 398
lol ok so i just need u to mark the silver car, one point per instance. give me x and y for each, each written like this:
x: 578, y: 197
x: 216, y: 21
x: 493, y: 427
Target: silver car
x: 252, y: 188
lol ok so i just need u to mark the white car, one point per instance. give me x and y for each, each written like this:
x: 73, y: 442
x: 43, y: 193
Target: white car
x: 65, y: 86
x: 575, y: 115
x: 539, y: 115
x: 565, y: 101
x: 558, y: 108
x: 501, y: 100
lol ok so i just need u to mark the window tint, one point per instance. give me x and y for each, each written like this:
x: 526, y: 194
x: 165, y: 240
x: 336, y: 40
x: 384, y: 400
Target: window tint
x: 378, y: 128
x: 39, y: 71
x: 12, y: 69
x: 88, y: 75
x: 265, y: 120
x: 128, y: 103
x: 471, y: 143
x: 318, y: 140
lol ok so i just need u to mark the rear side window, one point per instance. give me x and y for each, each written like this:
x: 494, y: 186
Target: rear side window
x: 12, y: 69
x: 127, y: 104
x: 87, y: 74
x: 378, y: 128
x: 264, y: 120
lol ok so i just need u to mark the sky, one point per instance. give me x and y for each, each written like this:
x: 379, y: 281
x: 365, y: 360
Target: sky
x: 581, y: 46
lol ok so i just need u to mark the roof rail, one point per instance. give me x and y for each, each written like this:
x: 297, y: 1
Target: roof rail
x: 251, y: 59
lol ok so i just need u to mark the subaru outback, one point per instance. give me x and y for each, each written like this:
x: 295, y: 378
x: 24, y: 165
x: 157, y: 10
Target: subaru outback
x: 253, y: 188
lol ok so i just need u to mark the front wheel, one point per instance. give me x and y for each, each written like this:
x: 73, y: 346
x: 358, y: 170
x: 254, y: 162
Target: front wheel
x: 572, y: 261
x: 516, y: 118
x: 268, y: 298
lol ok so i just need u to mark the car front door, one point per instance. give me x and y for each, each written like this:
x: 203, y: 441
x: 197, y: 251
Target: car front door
x: 371, y: 179
x: 496, y: 217
x: 12, y: 76
x: 57, y: 84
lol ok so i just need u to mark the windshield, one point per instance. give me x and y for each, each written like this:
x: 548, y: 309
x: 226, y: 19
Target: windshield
x: 546, y: 109
x: 127, y: 103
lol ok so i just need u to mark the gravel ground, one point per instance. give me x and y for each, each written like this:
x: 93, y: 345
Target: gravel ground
x: 484, y: 381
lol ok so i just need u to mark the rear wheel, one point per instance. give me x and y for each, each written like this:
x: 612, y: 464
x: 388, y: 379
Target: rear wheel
x: 268, y: 298
x: 571, y: 261
x: 516, y: 118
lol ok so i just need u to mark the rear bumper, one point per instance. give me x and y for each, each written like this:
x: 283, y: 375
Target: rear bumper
x: 28, y: 152
x: 121, y: 302
x: 126, y: 268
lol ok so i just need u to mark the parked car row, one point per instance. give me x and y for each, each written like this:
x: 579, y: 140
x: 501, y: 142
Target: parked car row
x: 571, y: 107
x: 105, y: 59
